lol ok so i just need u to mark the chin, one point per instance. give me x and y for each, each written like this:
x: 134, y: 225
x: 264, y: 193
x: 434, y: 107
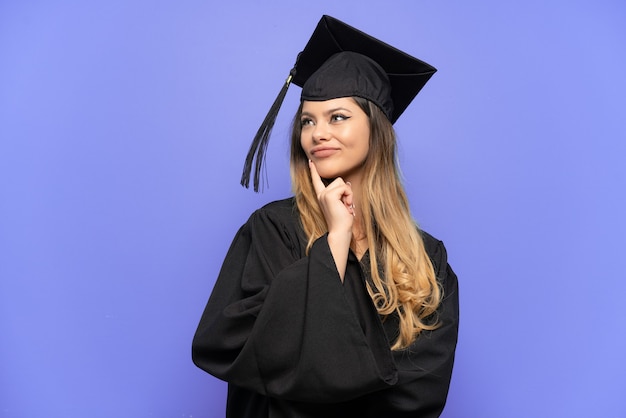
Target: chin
x: 331, y: 171
x: 329, y: 174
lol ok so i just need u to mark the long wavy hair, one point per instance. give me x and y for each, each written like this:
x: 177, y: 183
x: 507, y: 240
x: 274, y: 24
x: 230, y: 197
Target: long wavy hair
x: 403, y: 279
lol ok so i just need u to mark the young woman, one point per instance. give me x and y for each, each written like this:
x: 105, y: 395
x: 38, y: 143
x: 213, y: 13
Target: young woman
x: 333, y: 303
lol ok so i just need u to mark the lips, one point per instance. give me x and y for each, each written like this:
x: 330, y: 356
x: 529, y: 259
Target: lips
x: 323, y: 152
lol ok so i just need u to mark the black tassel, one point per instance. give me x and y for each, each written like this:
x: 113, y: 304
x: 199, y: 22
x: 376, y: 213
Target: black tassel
x: 259, y: 143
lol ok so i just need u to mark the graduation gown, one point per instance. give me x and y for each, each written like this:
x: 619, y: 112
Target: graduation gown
x: 292, y: 340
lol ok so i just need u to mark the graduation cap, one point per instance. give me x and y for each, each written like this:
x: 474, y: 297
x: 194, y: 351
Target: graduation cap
x: 342, y: 61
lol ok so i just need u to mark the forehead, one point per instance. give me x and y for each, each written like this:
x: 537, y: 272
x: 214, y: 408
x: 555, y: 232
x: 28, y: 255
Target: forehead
x: 347, y: 103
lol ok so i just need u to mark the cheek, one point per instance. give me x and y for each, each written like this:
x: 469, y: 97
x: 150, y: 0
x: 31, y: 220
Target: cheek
x: 365, y: 152
x: 364, y: 142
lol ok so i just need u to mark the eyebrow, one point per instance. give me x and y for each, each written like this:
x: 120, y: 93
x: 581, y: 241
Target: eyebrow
x: 328, y: 112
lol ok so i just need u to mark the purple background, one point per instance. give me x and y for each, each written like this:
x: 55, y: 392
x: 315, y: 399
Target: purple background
x: 123, y: 129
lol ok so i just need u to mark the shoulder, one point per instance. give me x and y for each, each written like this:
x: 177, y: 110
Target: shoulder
x: 283, y: 211
x: 277, y: 222
x: 280, y: 214
x: 284, y: 207
x: 431, y: 244
x: 435, y: 250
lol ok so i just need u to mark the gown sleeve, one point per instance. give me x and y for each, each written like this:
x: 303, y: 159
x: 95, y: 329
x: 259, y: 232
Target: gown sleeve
x: 278, y: 322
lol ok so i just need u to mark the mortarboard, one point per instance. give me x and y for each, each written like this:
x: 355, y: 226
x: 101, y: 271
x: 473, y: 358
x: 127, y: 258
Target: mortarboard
x: 342, y: 61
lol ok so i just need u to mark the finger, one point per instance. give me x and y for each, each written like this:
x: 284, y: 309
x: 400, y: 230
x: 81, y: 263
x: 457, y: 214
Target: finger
x: 348, y: 198
x: 318, y: 184
x: 337, y: 192
x: 350, y: 207
x: 342, y: 192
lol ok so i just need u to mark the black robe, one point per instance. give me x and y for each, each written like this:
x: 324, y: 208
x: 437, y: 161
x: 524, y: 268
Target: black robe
x: 292, y: 341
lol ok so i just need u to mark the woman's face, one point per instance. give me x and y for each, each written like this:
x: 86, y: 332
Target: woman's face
x: 335, y: 136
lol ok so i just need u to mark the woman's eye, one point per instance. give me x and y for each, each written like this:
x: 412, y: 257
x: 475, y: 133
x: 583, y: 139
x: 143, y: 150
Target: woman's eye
x: 306, y: 122
x: 337, y: 117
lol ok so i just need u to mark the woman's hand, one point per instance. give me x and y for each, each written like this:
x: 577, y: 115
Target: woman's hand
x: 336, y: 202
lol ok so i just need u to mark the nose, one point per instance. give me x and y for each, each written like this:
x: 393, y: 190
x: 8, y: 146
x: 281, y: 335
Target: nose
x: 320, y: 132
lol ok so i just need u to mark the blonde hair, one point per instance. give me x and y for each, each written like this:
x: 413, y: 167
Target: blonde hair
x: 408, y: 285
